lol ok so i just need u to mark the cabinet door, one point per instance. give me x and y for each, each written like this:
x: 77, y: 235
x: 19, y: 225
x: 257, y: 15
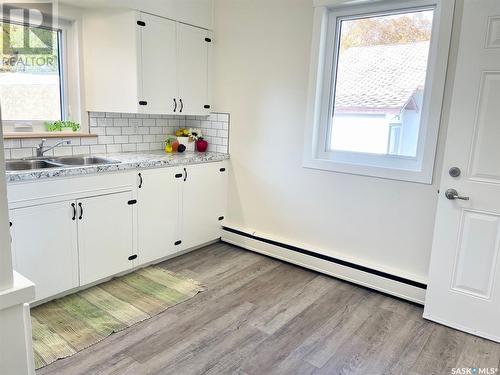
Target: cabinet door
x: 105, y: 235
x: 203, y: 203
x: 193, y: 69
x: 158, y: 213
x: 44, y: 246
x: 158, y: 65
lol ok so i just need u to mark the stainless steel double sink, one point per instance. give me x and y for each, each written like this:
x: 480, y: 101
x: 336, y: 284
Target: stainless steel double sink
x: 56, y: 162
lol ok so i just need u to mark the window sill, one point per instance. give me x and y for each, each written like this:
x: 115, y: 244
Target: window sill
x: 27, y: 135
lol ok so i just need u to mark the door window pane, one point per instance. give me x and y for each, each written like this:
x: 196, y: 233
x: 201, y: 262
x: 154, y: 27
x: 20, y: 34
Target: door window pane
x: 380, y: 83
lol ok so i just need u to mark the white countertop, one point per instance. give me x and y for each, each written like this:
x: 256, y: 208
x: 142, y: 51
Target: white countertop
x: 128, y: 160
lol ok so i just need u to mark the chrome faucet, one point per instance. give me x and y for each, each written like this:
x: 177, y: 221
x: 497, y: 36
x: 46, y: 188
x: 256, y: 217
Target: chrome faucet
x: 40, y: 150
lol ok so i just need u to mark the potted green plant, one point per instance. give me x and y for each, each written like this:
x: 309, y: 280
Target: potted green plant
x: 62, y: 126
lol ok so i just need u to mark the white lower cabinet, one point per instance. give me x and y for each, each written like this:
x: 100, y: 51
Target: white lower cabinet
x: 158, y: 194
x: 105, y: 235
x: 109, y: 224
x: 203, y: 203
x: 44, y: 246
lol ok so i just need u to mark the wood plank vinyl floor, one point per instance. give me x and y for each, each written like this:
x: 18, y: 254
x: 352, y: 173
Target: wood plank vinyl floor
x: 263, y: 316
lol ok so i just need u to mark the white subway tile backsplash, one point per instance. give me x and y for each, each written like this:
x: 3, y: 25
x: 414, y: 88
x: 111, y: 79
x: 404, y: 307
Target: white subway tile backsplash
x: 88, y: 141
x: 97, y: 131
x: 113, y: 131
x: 135, y: 138
x: 18, y: 153
x: 81, y: 150
x: 114, y: 148
x: 120, y: 122
x: 105, y: 140
x: 102, y: 121
x: 143, y: 147
x: 120, y: 139
x: 63, y: 151
x: 98, y: 149
x: 12, y: 143
x: 129, y: 147
x: 125, y: 132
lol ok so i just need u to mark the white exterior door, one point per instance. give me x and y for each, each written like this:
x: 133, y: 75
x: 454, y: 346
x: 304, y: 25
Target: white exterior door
x: 44, y: 246
x: 159, y: 65
x: 193, y: 69
x: 464, y: 279
x: 105, y: 236
x: 158, y: 213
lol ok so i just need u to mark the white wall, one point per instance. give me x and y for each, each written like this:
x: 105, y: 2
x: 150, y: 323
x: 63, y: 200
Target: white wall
x: 261, y: 71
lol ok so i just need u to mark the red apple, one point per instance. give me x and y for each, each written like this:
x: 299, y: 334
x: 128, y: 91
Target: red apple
x: 201, y: 145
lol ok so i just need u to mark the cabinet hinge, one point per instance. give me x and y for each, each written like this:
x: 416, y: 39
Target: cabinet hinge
x: 132, y: 257
x: 141, y: 23
x: 206, y: 106
x: 222, y: 170
x: 133, y: 201
x: 177, y: 243
x: 221, y: 218
x: 208, y: 40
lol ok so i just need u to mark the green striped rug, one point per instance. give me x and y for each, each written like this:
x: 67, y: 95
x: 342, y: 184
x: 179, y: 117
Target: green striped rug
x: 67, y: 325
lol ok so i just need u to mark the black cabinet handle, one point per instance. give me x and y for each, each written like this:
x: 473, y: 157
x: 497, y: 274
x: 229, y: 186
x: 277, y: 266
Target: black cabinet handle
x: 140, y: 180
x: 81, y: 211
x: 185, y: 174
x: 182, y: 105
x: 74, y: 211
x: 175, y: 105
x: 178, y: 175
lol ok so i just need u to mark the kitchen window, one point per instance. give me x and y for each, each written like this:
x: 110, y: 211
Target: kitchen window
x: 377, y: 81
x: 38, y: 75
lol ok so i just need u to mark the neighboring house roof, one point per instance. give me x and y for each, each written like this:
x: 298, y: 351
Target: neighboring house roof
x: 381, y: 78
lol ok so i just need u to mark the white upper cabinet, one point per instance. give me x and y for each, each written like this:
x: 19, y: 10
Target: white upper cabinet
x: 158, y: 64
x: 193, y: 69
x: 110, y: 58
x: 139, y: 63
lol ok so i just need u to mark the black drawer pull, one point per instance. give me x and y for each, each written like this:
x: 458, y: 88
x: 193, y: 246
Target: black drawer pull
x: 131, y: 202
x: 221, y: 218
x: 222, y: 169
x: 206, y: 106
x: 81, y: 211
x: 132, y: 257
x: 177, y: 243
x: 140, y: 180
x: 178, y: 175
x: 141, y: 23
x: 74, y: 211
x: 143, y: 102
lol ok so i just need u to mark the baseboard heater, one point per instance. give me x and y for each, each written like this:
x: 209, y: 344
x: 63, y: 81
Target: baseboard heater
x: 415, y: 292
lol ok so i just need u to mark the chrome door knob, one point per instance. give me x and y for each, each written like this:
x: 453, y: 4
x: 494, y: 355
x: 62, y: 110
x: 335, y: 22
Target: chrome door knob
x: 452, y: 194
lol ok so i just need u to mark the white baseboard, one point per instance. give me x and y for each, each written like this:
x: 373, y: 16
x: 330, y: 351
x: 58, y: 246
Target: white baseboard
x: 366, y: 279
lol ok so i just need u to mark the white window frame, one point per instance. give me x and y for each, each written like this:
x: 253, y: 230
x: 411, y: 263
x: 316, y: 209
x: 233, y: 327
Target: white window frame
x: 71, y: 102
x: 419, y: 169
